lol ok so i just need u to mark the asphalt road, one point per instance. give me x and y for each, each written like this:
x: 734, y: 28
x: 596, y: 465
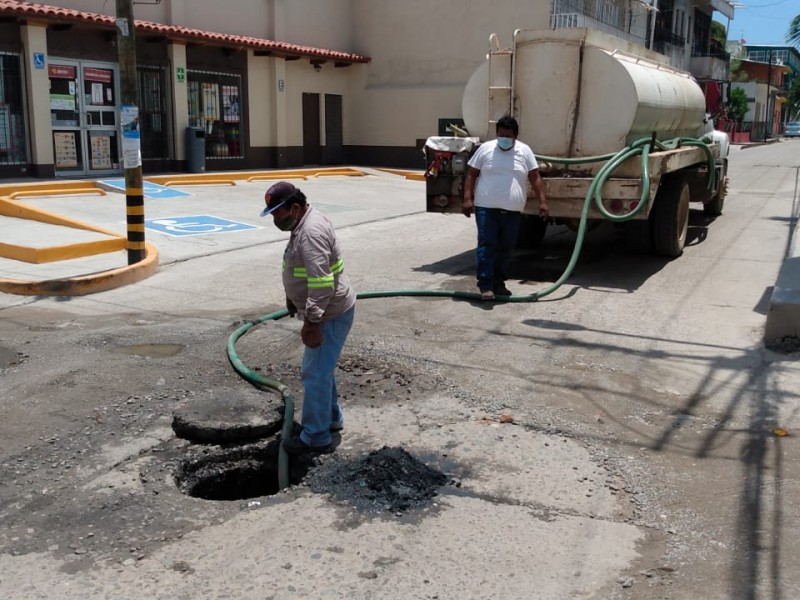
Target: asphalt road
x: 616, y: 440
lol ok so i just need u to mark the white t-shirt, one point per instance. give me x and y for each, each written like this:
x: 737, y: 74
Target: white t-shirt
x: 503, y: 182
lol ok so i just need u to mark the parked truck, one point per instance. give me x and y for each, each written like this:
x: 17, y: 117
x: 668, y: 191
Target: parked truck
x: 619, y: 134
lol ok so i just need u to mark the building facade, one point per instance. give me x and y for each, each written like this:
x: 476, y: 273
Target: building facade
x: 278, y: 83
x: 782, y: 70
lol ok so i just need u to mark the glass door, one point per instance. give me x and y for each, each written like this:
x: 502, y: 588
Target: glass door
x: 99, y: 85
x: 83, y: 115
x: 65, y: 118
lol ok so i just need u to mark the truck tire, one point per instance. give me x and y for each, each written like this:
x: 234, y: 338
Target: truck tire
x: 531, y: 232
x: 713, y: 208
x: 671, y: 217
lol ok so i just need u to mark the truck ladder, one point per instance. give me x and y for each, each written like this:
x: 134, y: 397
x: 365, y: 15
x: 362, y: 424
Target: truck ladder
x: 501, y: 83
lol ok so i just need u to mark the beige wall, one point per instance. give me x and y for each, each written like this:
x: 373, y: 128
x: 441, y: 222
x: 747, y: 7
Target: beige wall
x: 320, y: 23
x: 423, y: 53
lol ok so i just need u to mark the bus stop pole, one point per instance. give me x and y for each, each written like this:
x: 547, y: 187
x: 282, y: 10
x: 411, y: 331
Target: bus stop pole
x: 129, y: 120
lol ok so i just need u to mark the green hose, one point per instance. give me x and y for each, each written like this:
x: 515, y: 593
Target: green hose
x: 613, y: 161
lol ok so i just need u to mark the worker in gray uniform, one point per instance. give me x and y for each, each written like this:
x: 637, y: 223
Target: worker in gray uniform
x: 319, y: 293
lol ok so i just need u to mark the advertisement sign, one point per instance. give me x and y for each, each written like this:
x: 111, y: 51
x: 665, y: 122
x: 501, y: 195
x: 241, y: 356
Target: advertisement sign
x: 101, y: 75
x: 131, y: 144
x: 61, y: 71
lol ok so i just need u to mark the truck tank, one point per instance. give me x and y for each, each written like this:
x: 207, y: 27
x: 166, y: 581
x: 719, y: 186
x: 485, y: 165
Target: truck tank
x: 580, y: 92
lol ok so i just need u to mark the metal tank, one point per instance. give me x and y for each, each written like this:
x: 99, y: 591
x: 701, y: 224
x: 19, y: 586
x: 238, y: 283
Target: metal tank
x: 579, y: 92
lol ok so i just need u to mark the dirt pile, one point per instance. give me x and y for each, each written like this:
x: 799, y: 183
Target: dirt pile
x: 386, y: 480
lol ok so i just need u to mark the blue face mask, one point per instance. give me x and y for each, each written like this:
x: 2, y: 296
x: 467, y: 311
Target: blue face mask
x: 505, y: 143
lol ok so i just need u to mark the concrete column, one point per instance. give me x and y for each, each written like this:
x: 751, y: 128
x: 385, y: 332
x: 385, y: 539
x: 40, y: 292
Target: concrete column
x: 178, y: 87
x: 34, y: 39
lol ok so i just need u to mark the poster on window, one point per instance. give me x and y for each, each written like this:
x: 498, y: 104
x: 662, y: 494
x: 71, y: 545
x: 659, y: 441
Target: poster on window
x: 65, y: 150
x: 101, y: 152
x: 230, y: 104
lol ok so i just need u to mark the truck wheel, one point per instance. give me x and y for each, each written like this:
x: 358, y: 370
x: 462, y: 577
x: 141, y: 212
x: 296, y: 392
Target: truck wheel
x: 714, y: 207
x: 531, y: 232
x: 671, y: 217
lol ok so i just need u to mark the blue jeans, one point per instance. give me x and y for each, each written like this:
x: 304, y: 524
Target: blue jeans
x: 320, y: 400
x: 497, y: 237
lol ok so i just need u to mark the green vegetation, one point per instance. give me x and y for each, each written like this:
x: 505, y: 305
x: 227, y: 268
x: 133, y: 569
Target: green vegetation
x: 737, y: 105
x: 793, y: 35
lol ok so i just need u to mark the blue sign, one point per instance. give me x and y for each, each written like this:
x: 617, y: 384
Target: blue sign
x: 151, y: 190
x: 38, y: 60
x: 195, y: 225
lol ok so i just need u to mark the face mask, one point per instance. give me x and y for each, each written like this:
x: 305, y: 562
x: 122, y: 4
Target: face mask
x: 505, y: 143
x: 287, y: 223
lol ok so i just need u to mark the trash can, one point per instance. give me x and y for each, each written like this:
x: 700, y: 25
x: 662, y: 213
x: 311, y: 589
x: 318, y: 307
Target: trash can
x: 195, y: 150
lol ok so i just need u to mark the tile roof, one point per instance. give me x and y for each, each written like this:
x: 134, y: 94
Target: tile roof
x: 56, y: 14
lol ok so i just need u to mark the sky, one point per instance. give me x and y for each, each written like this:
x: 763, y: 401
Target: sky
x: 760, y: 21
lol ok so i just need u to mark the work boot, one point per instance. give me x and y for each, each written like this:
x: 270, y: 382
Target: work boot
x: 500, y: 289
x: 294, y: 445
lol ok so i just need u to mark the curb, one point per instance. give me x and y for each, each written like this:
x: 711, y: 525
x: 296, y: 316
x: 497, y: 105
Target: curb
x: 86, y: 284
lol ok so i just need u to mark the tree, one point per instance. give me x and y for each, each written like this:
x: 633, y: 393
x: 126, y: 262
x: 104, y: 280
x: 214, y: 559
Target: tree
x: 719, y: 36
x: 737, y: 105
x: 793, y: 100
x: 793, y: 35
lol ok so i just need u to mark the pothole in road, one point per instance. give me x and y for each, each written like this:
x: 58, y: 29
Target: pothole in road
x: 150, y: 350
x: 8, y: 357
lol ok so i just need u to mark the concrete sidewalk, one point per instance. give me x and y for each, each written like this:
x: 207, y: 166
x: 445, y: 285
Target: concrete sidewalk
x: 68, y: 238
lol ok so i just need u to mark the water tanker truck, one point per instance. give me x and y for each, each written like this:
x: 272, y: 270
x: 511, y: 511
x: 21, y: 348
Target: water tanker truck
x: 619, y: 135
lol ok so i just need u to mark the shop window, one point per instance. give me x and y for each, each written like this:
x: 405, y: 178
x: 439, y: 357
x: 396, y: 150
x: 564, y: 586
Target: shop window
x: 13, y: 149
x: 215, y: 105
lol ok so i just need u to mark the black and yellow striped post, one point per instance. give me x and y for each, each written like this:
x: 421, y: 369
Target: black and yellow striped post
x: 131, y: 147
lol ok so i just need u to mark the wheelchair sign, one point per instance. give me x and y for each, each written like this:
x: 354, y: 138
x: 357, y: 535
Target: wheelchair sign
x: 195, y: 225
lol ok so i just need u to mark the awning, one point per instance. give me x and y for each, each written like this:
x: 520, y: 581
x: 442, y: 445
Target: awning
x: 55, y: 14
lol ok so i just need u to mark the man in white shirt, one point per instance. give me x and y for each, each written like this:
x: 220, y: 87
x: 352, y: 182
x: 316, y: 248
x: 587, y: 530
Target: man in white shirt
x: 501, y: 168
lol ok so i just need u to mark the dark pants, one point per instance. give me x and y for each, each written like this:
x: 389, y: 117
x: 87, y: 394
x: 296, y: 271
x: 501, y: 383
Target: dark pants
x: 497, y: 237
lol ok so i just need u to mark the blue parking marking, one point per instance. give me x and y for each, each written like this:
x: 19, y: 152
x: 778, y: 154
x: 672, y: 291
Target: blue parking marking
x: 195, y: 225
x: 151, y: 190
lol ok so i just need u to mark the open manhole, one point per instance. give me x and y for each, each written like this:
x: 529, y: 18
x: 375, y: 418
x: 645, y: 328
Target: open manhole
x: 237, y: 473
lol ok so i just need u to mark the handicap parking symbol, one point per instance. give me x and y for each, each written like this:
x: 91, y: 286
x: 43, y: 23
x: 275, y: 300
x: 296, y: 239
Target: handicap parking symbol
x: 195, y: 225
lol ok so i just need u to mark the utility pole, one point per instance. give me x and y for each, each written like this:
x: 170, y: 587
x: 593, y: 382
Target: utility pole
x: 770, y: 103
x: 131, y: 143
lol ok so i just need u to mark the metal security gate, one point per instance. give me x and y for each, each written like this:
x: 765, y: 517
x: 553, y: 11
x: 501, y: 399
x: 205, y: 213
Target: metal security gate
x: 13, y: 148
x: 153, y: 116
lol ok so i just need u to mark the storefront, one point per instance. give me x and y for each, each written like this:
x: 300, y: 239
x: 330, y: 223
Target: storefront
x: 83, y: 115
x: 215, y: 106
